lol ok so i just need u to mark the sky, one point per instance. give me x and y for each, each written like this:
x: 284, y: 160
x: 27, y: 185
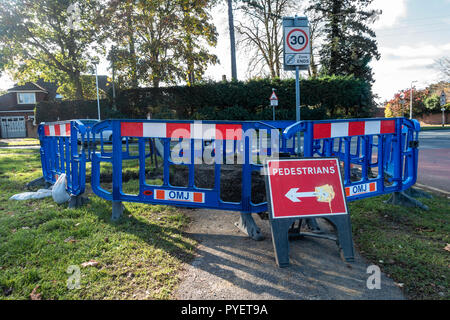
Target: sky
x: 411, y: 35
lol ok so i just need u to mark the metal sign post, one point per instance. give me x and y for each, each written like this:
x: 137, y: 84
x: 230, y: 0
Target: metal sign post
x: 273, y: 102
x: 443, y: 100
x: 296, y: 54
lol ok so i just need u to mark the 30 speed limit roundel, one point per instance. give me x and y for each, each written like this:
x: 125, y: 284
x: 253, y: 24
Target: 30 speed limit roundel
x: 297, y: 40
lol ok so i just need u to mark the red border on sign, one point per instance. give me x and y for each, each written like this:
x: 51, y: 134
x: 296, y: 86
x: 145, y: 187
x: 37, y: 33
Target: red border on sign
x: 306, y: 37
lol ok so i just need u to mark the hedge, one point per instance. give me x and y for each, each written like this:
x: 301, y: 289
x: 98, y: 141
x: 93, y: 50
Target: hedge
x: 326, y: 97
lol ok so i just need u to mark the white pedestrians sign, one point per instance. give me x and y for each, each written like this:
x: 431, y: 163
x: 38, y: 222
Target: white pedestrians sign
x: 297, y: 48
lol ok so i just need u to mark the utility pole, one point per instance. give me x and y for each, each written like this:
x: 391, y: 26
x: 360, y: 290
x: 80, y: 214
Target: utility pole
x: 443, y: 100
x: 232, y: 41
x: 98, y: 99
x: 411, y: 99
x: 113, y: 60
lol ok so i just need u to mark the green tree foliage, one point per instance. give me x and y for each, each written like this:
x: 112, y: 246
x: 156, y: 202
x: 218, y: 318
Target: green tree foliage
x: 350, y: 44
x: 88, y: 83
x: 161, y: 41
x: 51, y: 39
x: 432, y: 103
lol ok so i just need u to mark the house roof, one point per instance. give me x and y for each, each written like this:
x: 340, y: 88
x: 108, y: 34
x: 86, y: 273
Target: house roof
x: 29, y: 86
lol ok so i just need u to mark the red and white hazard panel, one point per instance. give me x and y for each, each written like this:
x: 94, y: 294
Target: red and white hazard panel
x: 194, y: 130
x: 57, y: 130
x: 352, y: 128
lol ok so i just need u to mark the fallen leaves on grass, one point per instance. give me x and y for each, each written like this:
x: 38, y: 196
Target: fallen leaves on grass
x: 70, y: 239
x: 90, y: 263
x: 447, y: 247
x: 34, y: 295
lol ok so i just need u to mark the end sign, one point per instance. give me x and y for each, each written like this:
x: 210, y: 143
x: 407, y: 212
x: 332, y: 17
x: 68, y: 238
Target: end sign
x: 302, y: 188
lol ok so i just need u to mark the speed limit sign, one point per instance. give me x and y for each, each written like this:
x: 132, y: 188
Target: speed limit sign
x: 297, y: 40
x: 297, y: 46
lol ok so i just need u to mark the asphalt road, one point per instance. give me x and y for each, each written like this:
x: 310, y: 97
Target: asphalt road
x: 434, y: 159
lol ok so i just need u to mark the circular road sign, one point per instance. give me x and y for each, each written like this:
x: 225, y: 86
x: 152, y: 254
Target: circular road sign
x: 297, y: 40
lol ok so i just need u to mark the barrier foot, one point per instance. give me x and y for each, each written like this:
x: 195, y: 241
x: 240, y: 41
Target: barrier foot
x: 344, y: 235
x: 77, y: 201
x: 37, y: 182
x: 417, y: 193
x: 247, y: 225
x: 403, y: 199
x: 117, y: 210
x: 280, y: 239
x: 313, y: 226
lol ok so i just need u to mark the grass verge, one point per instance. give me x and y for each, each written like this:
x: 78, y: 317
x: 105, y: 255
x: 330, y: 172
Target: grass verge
x: 138, y: 257
x: 408, y: 244
x: 435, y: 127
x: 19, y: 142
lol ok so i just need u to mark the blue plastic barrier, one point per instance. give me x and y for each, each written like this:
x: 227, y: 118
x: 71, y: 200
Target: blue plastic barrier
x: 198, y: 137
x: 60, y: 153
x: 385, y: 152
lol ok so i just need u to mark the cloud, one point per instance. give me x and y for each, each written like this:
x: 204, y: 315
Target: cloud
x: 400, y: 65
x: 393, y: 11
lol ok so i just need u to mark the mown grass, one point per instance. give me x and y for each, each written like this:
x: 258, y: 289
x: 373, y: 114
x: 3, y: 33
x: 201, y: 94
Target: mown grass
x: 138, y: 257
x: 19, y: 142
x: 435, y: 127
x: 406, y: 243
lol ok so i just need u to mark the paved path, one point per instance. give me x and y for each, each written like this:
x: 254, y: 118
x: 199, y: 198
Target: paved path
x: 229, y: 265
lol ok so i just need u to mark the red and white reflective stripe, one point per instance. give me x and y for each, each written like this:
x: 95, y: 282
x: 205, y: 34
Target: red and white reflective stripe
x: 361, y: 189
x: 57, y: 130
x: 177, y: 195
x: 196, y: 130
x: 353, y: 128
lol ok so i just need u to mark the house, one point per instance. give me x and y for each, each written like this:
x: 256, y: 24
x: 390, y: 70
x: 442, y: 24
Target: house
x: 17, y: 108
x: 17, y: 118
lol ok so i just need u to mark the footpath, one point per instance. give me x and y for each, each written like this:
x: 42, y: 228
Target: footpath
x: 229, y: 265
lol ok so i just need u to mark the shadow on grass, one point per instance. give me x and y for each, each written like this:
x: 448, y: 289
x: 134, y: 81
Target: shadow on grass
x: 158, y: 234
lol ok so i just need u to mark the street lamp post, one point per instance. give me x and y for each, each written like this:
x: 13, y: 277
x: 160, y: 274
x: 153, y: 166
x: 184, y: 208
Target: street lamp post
x: 443, y: 100
x: 402, y: 103
x: 411, y: 99
x: 98, y: 99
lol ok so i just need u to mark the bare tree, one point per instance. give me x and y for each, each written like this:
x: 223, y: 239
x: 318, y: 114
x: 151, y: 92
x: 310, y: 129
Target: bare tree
x: 260, y: 33
x: 443, y: 65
